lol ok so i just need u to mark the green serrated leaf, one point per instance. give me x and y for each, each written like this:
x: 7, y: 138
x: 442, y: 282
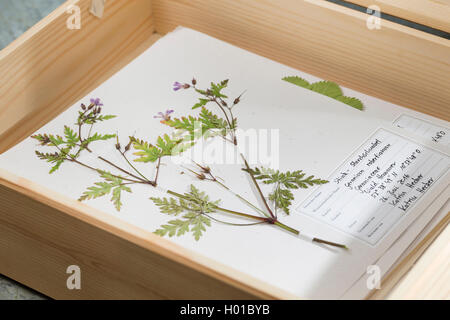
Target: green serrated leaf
x: 195, y: 204
x: 216, y: 89
x: 116, y: 195
x: 297, y: 81
x: 105, y: 117
x: 112, y: 184
x: 166, y: 144
x: 169, y: 206
x: 207, y: 124
x: 284, y: 182
x: 71, y: 137
x: 99, y: 137
x: 352, y: 102
x: 99, y: 189
x: 56, y: 158
x: 146, y: 151
x: 56, y: 166
x: 327, y: 88
x: 201, y: 103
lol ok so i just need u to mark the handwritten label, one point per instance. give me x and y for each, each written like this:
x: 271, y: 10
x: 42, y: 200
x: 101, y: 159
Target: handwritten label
x: 376, y: 186
x: 424, y: 129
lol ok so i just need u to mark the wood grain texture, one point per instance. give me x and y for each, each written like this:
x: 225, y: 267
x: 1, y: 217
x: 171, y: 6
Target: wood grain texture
x: 42, y: 233
x: 50, y: 67
x: 396, y: 63
x: 432, y: 13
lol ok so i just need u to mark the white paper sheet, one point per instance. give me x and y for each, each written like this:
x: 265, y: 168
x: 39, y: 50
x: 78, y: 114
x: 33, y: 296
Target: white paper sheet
x: 376, y: 186
x: 316, y: 134
x: 434, y: 132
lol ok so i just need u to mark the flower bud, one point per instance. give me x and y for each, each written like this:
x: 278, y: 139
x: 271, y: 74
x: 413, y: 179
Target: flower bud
x: 201, y: 176
x: 128, y: 146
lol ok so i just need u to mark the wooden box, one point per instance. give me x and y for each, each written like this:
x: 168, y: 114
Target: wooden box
x: 50, y: 67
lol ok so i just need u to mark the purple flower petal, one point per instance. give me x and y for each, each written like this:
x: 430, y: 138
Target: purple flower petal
x: 177, y: 86
x: 97, y: 102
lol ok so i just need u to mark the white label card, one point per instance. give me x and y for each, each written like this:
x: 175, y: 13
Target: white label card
x: 376, y: 186
x: 428, y: 130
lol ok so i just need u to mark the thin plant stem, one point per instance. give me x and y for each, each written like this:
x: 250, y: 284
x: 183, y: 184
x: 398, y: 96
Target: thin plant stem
x: 132, y: 166
x: 234, y: 224
x: 99, y: 170
x: 241, y: 214
x: 157, y: 171
x: 241, y: 198
x: 123, y: 170
x: 318, y: 240
x: 257, y: 187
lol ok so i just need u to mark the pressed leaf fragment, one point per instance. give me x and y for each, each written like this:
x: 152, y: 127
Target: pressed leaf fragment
x: 327, y: 88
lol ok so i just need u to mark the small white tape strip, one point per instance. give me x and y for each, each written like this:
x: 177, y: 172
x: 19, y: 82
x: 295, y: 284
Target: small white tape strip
x: 305, y: 237
x: 97, y: 8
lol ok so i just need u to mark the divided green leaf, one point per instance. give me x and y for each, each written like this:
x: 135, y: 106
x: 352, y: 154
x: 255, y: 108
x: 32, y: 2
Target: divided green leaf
x: 112, y: 184
x: 165, y: 146
x: 282, y: 195
x: 207, y: 124
x: 194, y: 204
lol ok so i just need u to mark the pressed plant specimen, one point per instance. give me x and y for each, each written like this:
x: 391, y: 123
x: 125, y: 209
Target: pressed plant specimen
x: 327, y: 88
x: 193, y: 211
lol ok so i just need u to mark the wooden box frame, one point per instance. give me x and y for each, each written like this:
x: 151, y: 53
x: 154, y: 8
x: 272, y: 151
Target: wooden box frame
x: 50, y: 67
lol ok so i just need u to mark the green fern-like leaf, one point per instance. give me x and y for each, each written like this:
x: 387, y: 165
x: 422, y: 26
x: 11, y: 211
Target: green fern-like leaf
x: 170, y: 206
x: 284, y: 182
x: 194, y: 204
x: 100, y: 137
x: 146, y: 151
x: 327, y: 88
x: 165, y: 146
x: 48, y: 139
x: 202, y: 102
x: 71, y: 137
x: 56, y: 158
x: 105, y: 117
x: 112, y: 184
x: 207, y: 124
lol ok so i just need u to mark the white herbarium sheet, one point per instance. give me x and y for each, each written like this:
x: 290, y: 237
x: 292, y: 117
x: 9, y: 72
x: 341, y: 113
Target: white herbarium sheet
x: 295, y: 129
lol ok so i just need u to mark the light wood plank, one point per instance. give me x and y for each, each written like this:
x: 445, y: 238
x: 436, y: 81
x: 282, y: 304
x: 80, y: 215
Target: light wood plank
x: 396, y: 63
x: 431, y: 13
x: 50, y: 67
x: 42, y: 233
